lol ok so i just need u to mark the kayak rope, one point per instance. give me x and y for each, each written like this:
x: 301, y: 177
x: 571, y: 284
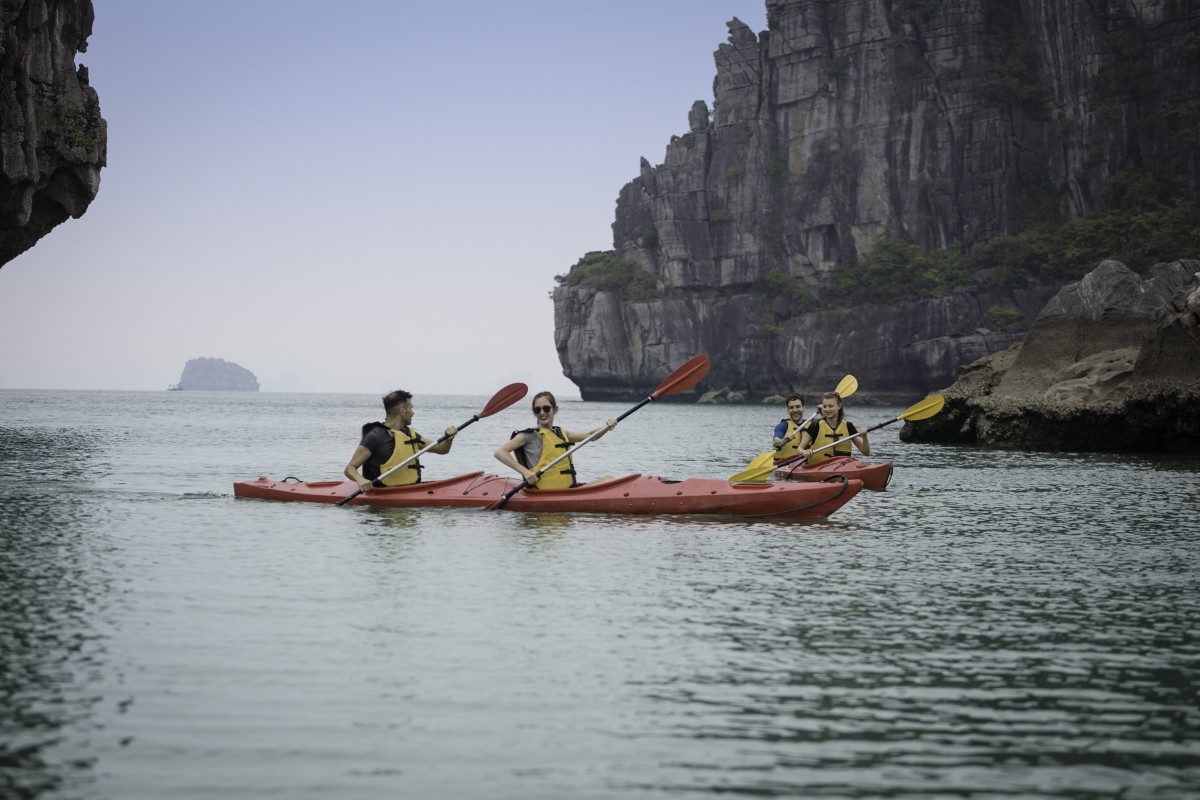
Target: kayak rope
x: 484, y: 480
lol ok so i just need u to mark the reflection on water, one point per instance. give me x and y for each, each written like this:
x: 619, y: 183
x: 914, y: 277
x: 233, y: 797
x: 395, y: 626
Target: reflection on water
x: 992, y: 625
x: 546, y: 522
x: 1008, y: 678
x: 51, y: 647
x: 395, y: 519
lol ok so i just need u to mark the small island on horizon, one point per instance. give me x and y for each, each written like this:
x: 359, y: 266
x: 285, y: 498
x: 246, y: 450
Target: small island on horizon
x: 214, y: 375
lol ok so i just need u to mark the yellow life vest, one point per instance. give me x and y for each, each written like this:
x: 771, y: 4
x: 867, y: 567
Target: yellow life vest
x: 550, y: 444
x: 407, y: 443
x: 825, y: 435
x: 792, y: 446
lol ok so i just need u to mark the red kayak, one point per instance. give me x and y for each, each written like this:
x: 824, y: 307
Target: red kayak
x: 632, y: 494
x: 873, y: 476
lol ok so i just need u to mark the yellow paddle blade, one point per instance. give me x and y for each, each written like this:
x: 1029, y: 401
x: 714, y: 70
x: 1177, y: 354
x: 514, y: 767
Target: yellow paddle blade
x: 762, y: 459
x: 753, y: 475
x: 847, y: 386
x: 762, y: 466
x: 924, y: 409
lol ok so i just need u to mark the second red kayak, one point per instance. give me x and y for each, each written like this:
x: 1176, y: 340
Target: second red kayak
x: 631, y: 494
x: 873, y: 476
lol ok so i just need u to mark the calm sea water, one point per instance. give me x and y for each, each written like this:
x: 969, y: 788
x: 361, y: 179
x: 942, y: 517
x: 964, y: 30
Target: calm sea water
x: 993, y: 625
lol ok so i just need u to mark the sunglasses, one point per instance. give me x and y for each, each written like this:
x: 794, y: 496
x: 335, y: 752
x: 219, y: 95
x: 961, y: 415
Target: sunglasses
x: 542, y: 409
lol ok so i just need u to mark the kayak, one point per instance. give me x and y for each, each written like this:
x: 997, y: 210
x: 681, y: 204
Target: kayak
x: 873, y: 476
x: 631, y: 494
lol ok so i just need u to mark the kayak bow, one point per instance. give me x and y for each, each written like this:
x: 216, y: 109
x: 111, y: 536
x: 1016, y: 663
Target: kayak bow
x: 874, y: 476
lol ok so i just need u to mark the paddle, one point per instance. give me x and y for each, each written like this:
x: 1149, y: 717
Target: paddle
x: 922, y: 410
x: 846, y: 387
x: 682, y: 379
x: 500, y: 401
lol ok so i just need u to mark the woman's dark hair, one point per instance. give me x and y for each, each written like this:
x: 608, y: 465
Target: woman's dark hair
x: 838, y: 397
x: 553, y: 402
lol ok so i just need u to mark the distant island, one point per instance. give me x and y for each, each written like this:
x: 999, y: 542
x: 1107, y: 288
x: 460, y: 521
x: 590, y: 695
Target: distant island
x: 215, y: 375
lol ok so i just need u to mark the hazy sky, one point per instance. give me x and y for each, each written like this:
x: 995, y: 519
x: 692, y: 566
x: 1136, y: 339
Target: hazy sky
x: 352, y: 196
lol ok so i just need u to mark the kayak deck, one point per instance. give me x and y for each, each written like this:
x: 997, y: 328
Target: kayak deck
x: 631, y: 494
x: 874, y: 476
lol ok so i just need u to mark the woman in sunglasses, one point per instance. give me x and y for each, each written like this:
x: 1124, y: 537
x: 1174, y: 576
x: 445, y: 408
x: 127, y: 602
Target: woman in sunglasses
x: 530, y: 450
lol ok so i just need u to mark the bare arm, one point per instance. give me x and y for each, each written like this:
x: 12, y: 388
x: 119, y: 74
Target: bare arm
x: 444, y: 447
x: 504, y: 454
x: 806, y: 441
x: 579, y: 436
x: 361, y: 454
x: 779, y: 441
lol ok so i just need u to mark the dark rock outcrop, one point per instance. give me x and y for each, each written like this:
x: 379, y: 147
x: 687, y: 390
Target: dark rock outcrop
x: 938, y: 124
x: 216, y: 375
x: 1112, y: 364
x: 53, y: 141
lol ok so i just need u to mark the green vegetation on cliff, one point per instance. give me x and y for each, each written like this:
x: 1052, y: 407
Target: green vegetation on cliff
x: 1149, y: 221
x: 604, y: 271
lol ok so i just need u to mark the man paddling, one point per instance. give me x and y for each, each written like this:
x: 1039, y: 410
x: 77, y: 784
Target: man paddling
x: 388, y: 443
x: 786, y: 439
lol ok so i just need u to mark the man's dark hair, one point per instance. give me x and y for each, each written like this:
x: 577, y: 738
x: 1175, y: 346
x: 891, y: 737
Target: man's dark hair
x: 393, y: 400
x: 795, y: 396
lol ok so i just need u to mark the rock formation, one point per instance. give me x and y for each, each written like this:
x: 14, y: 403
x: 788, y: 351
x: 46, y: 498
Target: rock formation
x: 1111, y: 364
x: 53, y: 141
x: 216, y: 375
x: 932, y: 123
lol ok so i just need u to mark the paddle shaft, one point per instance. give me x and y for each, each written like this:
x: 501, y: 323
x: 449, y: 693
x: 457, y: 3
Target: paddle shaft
x: 843, y: 440
x: 798, y: 430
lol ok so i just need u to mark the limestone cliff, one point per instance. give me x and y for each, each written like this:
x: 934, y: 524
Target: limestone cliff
x: 1111, y: 364
x: 53, y: 141
x: 930, y: 123
x: 216, y: 375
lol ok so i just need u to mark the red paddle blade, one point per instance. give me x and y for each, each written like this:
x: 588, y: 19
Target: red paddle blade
x: 503, y: 399
x: 683, y: 378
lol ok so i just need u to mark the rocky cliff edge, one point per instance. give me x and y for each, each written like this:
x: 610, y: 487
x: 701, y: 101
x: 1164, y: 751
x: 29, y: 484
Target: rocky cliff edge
x: 53, y: 141
x: 940, y: 124
x: 1111, y: 364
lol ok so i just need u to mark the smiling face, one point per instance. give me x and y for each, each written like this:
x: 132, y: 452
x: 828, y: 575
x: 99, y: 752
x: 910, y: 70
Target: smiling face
x: 795, y: 409
x: 544, y: 409
x: 830, y: 407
